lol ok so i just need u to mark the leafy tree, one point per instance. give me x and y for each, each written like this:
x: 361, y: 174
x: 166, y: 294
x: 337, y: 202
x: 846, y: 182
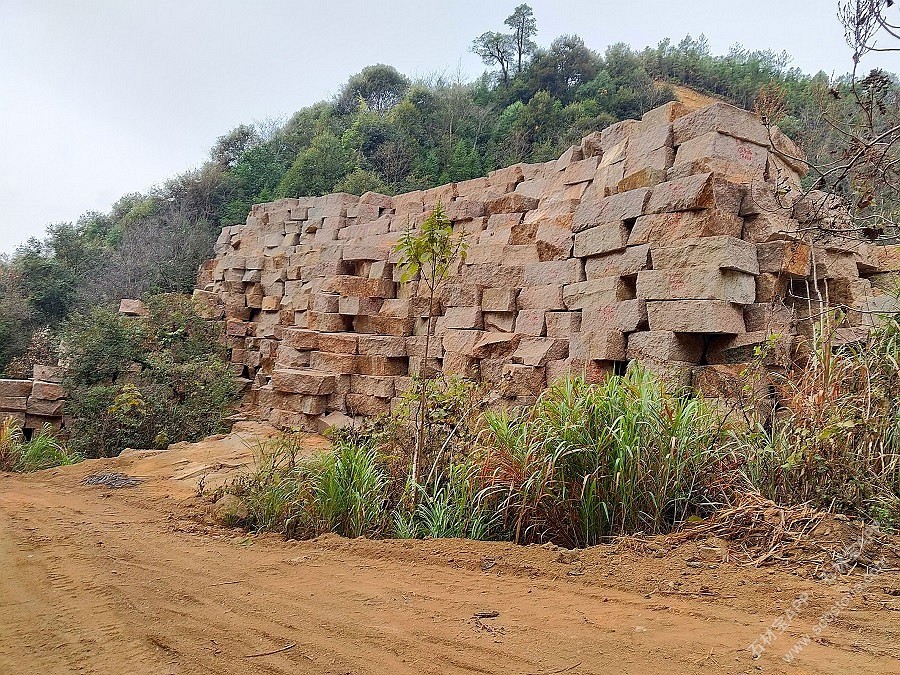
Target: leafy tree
x: 380, y: 86
x: 229, y: 148
x: 464, y: 163
x: 359, y: 181
x: 16, y: 315
x: 428, y: 255
x: 524, y: 27
x: 496, y: 49
x: 145, y: 382
x: 317, y: 169
x: 50, y: 287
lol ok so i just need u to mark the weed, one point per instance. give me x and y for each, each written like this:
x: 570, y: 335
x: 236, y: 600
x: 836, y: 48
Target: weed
x: 834, y: 441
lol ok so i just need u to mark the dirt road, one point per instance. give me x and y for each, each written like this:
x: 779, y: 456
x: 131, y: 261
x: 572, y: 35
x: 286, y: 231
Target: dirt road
x: 100, y: 580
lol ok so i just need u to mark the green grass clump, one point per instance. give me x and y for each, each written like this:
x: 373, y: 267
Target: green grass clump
x: 590, y: 461
x: 834, y: 442
x: 43, y: 451
x: 342, y: 491
x: 584, y: 463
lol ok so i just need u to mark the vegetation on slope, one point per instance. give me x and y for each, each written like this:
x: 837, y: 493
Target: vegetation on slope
x: 145, y: 382
x: 42, y: 451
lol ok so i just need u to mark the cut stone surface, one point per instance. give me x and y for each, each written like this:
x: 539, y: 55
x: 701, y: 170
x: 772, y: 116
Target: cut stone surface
x: 722, y: 118
x: 606, y: 345
x: 735, y: 154
x: 499, y: 299
x: 665, y: 346
x: 696, y: 316
x: 627, y: 262
x: 133, y: 308
x: 599, y: 291
x: 643, y: 242
x: 15, y: 388
x: 304, y: 381
x: 625, y: 206
x: 724, y: 252
x: 702, y: 191
x: 696, y: 283
x: 793, y: 258
x: 668, y: 228
x: 625, y: 316
x: 602, y: 238
x: 47, y: 391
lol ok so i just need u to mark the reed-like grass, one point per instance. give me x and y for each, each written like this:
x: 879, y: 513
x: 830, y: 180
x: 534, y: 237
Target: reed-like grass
x: 43, y: 451
x: 593, y: 461
x: 589, y: 461
x: 341, y: 491
x: 834, y: 442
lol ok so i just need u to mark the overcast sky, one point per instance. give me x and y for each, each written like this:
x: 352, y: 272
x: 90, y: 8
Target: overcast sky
x: 103, y: 97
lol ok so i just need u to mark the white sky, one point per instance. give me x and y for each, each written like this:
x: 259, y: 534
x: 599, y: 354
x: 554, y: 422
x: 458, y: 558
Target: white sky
x: 103, y: 97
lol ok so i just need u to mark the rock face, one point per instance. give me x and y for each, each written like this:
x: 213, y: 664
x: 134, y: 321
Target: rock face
x: 34, y: 403
x: 681, y: 239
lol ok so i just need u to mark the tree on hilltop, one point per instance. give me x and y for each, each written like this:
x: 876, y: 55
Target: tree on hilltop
x: 496, y: 48
x: 524, y: 26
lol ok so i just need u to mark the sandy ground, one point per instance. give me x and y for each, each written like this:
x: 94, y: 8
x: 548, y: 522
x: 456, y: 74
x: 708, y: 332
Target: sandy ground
x: 131, y: 580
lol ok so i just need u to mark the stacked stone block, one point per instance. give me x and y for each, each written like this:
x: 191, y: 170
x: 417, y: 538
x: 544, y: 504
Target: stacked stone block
x: 34, y: 403
x: 681, y: 240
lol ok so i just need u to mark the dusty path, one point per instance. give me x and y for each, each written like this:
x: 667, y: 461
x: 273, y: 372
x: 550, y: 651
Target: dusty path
x: 97, y: 580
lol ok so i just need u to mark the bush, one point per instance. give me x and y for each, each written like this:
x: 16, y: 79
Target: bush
x: 43, y: 451
x: 592, y: 461
x: 145, y: 382
x: 585, y: 462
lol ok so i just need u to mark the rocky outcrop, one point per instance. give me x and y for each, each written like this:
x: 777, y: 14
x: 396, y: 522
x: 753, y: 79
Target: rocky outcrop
x: 681, y: 239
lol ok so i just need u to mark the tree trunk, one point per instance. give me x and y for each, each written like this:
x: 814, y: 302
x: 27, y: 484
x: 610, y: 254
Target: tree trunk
x: 423, y: 393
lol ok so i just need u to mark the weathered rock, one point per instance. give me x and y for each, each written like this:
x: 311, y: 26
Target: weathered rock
x: 702, y: 191
x: 665, y: 346
x: 130, y: 307
x: 641, y: 242
x: 725, y: 252
x: 311, y: 382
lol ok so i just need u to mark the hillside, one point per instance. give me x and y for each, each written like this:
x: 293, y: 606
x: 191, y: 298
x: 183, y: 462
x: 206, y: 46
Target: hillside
x: 691, y: 98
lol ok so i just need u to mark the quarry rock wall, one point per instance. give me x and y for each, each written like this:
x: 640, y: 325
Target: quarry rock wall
x: 682, y: 240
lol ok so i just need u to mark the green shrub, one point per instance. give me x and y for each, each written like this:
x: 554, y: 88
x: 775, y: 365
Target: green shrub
x: 592, y: 461
x: 587, y: 461
x: 43, y: 451
x: 145, y: 382
x: 450, y: 508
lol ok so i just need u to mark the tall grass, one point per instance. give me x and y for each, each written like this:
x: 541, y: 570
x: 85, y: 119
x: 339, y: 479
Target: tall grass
x: 835, y: 440
x: 593, y: 460
x: 447, y: 507
x: 43, y: 451
x: 343, y: 491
